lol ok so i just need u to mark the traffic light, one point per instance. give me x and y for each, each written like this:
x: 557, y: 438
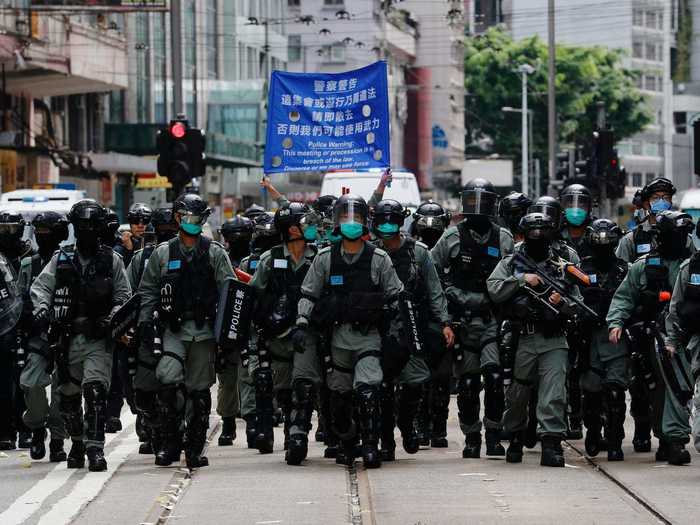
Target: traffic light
x: 604, y: 152
x: 562, y: 165
x: 180, y: 153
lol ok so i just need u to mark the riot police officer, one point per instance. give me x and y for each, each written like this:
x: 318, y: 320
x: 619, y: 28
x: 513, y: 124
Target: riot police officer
x: 656, y: 197
x: 75, y: 294
x: 465, y: 256
x: 430, y: 220
x: 288, y: 363
x: 110, y: 233
x: 139, y: 217
x: 639, y: 306
x: 541, y: 353
x: 13, y: 431
x: 181, y: 285
x: 551, y: 207
x: 576, y: 203
x: 403, y: 358
x: 511, y: 209
x: 237, y: 232
x: 324, y: 208
x: 50, y: 230
x: 346, y: 288
x: 603, y: 365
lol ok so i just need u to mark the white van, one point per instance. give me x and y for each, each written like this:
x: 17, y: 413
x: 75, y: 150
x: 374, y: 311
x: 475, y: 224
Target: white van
x: 404, y: 187
x: 32, y: 202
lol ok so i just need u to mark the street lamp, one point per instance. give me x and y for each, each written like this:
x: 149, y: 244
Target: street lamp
x: 525, y: 70
x: 526, y: 145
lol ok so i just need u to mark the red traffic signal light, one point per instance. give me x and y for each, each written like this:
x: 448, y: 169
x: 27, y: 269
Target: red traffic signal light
x: 180, y: 153
x: 178, y: 130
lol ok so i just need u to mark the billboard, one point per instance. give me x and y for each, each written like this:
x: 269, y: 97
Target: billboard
x: 99, y: 5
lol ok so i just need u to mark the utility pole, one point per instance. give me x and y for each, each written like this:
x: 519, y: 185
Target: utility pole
x: 176, y: 53
x: 602, y: 181
x: 551, y: 107
x: 525, y: 70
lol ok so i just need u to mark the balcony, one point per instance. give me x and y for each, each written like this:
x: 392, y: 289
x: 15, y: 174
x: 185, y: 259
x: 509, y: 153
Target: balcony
x: 54, y: 56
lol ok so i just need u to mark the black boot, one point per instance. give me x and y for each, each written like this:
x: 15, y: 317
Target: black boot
x: 197, y: 425
x: 575, y: 429
x: 409, y: 401
x: 113, y: 425
x: 347, y: 452
x: 440, y: 406
x: 514, y: 454
x: 146, y: 421
x: 76, y: 456
x: 342, y: 418
x: 284, y: 401
x: 472, y: 446
x: 387, y: 451
x: 24, y: 439
x: 642, y: 436
x: 677, y: 454
x: 38, y: 447
x: 228, y: 431
x: 300, y: 422
x: 96, y: 459
x: 530, y: 437
x: 493, y: 443
x: 662, y: 452
x: 369, y: 425
x: 615, y: 420
x: 7, y: 443
x: 56, y: 452
x: 265, y: 437
x: 170, y: 404
x: 592, y: 404
x: 250, y: 431
x: 552, y: 453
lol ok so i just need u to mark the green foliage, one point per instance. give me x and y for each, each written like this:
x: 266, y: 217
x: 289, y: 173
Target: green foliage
x: 684, y: 41
x: 585, y: 76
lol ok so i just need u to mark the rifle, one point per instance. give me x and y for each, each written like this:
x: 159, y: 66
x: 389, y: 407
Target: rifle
x: 570, y: 306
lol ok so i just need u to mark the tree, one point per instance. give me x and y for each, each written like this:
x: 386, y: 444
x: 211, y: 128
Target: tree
x: 585, y: 76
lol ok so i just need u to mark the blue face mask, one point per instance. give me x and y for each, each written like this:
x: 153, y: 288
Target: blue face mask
x: 575, y: 216
x: 351, y: 230
x: 387, y: 230
x: 332, y: 237
x: 660, y: 205
x: 191, y: 229
x: 311, y: 232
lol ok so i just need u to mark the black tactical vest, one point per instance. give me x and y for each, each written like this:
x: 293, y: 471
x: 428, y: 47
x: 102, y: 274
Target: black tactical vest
x: 643, y: 241
x: 604, y: 283
x: 475, y: 262
x: 83, y: 291
x: 192, y: 285
x: 689, y: 307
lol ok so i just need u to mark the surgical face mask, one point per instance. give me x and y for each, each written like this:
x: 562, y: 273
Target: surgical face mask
x: 191, y: 229
x: 332, y: 237
x: 387, y: 230
x: 659, y: 205
x: 351, y: 230
x: 575, y: 216
x: 311, y: 232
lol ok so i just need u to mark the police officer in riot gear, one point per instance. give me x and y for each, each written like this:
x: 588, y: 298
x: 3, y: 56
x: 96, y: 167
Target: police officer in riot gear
x: 603, y: 365
x: 288, y: 364
x: 110, y: 233
x: 465, y: 256
x: 324, y: 207
x: 541, y: 352
x: 511, y: 209
x: 346, y: 289
x: 237, y: 232
x: 75, y: 294
x: 639, y: 306
x: 50, y: 230
x: 13, y: 431
x: 576, y: 202
x: 253, y: 211
x: 403, y: 360
x: 430, y: 220
x: 656, y: 197
x: 142, y: 368
x: 139, y: 217
x: 181, y: 286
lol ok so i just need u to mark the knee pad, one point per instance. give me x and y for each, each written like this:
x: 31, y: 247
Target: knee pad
x: 493, y: 380
x: 171, y: 398
x: 303, y: 391
x: 95, y: 393
x: 263, y: 381
x: 469, y: 386
x: 201, y: 403
x: 70, y: 407
x: 615, y: 397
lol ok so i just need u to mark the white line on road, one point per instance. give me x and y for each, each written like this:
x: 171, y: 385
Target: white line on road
x: 29, y: 502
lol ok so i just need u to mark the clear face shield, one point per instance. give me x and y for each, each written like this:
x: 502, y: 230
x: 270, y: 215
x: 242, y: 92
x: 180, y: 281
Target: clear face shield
x: 576, y: 208
x: 350, y: 220
x: 192, y: 223
x: 479, y: 202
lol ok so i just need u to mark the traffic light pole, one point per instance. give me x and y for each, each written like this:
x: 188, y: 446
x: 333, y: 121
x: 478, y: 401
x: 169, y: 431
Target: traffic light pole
x: 176, y: 54
x: 551, y: 103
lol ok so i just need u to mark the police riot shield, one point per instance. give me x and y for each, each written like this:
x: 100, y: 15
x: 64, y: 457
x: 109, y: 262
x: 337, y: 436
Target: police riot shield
x: 10, y: 297
x: 234, y: 315
x: 411, y: 333
x: 125, y: 318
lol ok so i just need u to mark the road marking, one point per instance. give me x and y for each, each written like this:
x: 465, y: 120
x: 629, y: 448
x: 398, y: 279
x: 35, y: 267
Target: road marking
x: 29, y: 502
x: 89, y: 486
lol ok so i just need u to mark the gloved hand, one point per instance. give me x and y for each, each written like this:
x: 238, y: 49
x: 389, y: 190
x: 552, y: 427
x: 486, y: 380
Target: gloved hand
x: 298, y: 337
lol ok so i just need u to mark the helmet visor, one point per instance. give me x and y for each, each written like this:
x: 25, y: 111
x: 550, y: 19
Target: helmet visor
x: 191, y: 218
x: 539, y: 233
x: 479, y: 202
x: 576, y: 200
x: 11, y: 228
x: 350, y: 212
x: 603, y: 238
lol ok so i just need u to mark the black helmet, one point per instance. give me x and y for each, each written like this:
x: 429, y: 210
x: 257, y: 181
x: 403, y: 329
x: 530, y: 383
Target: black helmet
x: 324, y: 205
x: 51, y: 222
x: 512, y: 208
x: 139, y: 213
x: 537, y: 225
x: 637, y: 199
x: 237, y: 227
x: 658, y: 185
x: 576, y: 196
x: 164, y: 224
x: 548, y: 206
x: 672, y: 229
x: 193, y: 212
x: 11, y: 228
x: 603, y: 232
x: 265, y: 235
x: 479, y: 198
x: 429, y: 222
x: 389, y: 211
x: 253, y: 211
x: 350, y: 206
x: 88, y: 214
x: 290, y: 215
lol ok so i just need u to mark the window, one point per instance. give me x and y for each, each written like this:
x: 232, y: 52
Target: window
x: 651, y: 149
x: 339, y: 3
x: 660, y: 21
x: 160, y: 67
x: 650, y: 82
x: 252, y: 63
x: 680, y: 122
x: 636, y: 179
x: 624, y: 148
x: 637, y: 50
x: 651, y: 52
x: 294, y: 48
x: 190, y: 39
x: 294, y: 3
x: 211, y: 40
x: 638, y: 17
x: 639, y: 82
x: 637, y: 147
x: 334, y: 53
x: 650, y: 177
x: 651, y: 19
